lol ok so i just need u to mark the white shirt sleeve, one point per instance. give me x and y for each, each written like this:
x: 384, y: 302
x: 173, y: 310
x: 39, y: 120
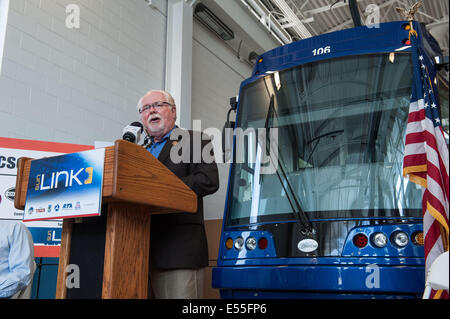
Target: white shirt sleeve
x: 16, y: 258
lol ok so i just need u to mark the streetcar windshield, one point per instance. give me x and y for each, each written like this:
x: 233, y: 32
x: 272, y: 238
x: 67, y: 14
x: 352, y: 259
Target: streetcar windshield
x: 331, y: 139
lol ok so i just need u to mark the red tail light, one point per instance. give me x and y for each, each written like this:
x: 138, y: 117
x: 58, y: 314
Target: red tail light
x: 263, y: 243
x: 360, y: 240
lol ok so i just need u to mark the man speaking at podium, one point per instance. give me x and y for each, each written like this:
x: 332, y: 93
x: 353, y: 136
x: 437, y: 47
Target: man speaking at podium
x: 178, y: 247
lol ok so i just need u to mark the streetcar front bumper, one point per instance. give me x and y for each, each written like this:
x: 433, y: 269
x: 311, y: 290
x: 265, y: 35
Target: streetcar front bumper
x: 340, y: 279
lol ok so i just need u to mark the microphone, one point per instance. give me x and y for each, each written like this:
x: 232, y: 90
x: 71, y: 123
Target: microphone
x: 132, y: 133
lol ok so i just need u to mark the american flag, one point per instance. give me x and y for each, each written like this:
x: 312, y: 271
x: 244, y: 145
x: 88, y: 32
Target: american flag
x: 426, y: 156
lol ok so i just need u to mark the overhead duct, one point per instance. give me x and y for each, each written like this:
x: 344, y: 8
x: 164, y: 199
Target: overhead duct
x: 212, y: 22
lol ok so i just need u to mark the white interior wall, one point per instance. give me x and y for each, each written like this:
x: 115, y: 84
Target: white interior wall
x: 4, y: 8
x: 217, y: 75
x: 78, y: 85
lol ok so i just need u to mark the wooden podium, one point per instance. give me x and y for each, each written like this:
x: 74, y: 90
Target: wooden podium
x: 112, y: 251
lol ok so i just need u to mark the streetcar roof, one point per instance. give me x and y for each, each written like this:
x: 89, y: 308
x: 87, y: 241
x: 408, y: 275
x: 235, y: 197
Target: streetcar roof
x: 386, y: 37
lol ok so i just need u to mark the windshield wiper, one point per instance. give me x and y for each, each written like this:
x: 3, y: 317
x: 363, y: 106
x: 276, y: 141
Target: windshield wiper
x: 300, y: 215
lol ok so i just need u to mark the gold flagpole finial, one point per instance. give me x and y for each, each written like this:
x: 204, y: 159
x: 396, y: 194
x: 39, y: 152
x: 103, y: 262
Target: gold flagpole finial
x: 409, y: 14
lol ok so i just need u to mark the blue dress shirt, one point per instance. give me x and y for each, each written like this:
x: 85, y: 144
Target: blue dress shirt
x: 156, y: 147
x: 16, y: 257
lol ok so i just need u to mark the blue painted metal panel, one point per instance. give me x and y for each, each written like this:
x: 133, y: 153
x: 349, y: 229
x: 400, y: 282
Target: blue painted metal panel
x: 410, y: 250
x: 362, y: 40
x: 390, y: 253
x: 247, y: 294
x: 326, y: 261
x: 233, y: 253
x: 332, y: 279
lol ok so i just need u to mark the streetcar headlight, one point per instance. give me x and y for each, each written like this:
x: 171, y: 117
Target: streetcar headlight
x: 379, y: 240
x: 400, y: 239
x: 250, y: 243
x: 239, y: 243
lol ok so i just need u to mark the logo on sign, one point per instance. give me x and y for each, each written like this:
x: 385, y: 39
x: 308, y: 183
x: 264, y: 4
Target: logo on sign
x: 67, y: 206
x: 10, y: 193
x: 307, y: 245
x: 57, y: 208
x: 68, y: 177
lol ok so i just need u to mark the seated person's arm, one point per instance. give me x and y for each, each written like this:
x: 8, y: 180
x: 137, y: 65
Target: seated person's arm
x: 20, y: 260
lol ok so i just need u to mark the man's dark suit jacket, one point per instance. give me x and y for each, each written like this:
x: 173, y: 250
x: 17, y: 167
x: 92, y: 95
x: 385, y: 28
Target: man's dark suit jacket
x: 178, y: 240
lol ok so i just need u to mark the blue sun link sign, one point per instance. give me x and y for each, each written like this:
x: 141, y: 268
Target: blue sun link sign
x: 65, y: 186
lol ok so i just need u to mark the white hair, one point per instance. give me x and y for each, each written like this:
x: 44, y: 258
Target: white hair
x: 167, y: 96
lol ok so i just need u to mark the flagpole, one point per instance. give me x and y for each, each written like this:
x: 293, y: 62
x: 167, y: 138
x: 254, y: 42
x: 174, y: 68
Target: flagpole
x: 421, y: 166
x: 444, y: 237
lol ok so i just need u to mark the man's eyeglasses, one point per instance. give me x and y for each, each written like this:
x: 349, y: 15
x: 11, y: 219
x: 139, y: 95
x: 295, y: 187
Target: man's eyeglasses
x: 156, y: 105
